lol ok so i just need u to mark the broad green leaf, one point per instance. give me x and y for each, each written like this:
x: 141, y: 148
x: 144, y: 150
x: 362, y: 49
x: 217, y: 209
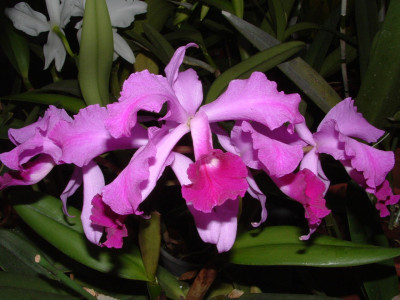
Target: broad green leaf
x: 16, y: 49
x: 150, y: 243
x: 261, y: 61
x: 378, y: 97
x: 43, y: 213
x: 280, y: 245
x: 66, y: 86
x: 366, y: 18
x: 163, y: 49
x: 69, y: 103
x: 96, y: 53
x: 18, y: 286
x: 144, y: 62
x: 379, y: 279
x: 297, y: 70
x: 17, y: 254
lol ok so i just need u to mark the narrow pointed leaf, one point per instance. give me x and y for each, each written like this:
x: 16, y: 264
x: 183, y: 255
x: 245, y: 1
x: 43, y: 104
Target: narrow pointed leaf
x: 18, y: 286
x: 297, y: 70
x: 17, y: 254
x: 96, y: 53
x: 150, y: 243
x: 43, y: 213
x: 366, y: 18
x: 378, y: 97
x: 261, y: 61
x: 69, y: 103
x: 280, y: 245
x: 15, y: 48
x: 279, y: 17
x: 163, y: 49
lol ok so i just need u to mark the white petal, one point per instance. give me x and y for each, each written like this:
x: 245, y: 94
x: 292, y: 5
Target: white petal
x: 54, y: 50
x: 122, y: 12
x: 26, y: 19
x: 70, y: 8
x: 122, y: 48
x: 54, y: 10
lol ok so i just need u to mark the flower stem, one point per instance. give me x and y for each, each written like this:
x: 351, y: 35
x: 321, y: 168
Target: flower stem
x: 64, y: 40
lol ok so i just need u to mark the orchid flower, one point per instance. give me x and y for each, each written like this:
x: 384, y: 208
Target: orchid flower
x: 56, y: 139
x: 122, y: 14
x: 33, y: 23
x: 212, y: 184
x: 336, y: 135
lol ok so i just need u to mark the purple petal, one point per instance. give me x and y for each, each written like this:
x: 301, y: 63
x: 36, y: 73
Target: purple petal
x: 218, y: 226
x: 385, y: 197
x: 86, y: 136
x: 73, y: 184
x: 351, y: 123
x: 330, y: 141
x: 142, y: 91
x: 255, y: 99
x: 306, y: 188
x: 367, y: 166
x: 277, y: 156
x: 114, y: 224
x: 172, y: 69
x: 93, y: 182
x: 33, y: 172
x: 256, y: 193
x: 17, y: 157
x: 215, y: 178
x: 201, y: 135
x: 138, y: 179
x: 44, y: 125
x: 189, y: 91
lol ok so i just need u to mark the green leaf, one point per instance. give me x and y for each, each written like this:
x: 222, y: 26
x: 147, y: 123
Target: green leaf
x: 299, y: 27
x: 280, y: 245
x: 16, y: 49
x: 261, y: 61
x: 238, y: 7
x: 69, y: 103
x: 378, y: 97
x: 43, y: 213
x: 163, y: 49
x: 220, y: 4
x: 17, y: 254
x: 172, y: 287
x: 18, y: 286
x: 320, y: 46
x: 297, y: 70
x: 332, y: 62
x: 279, y: 17
x: 366, y: 17
x: 96, y: 53
x: 150, y: 243
x: 379, y: 279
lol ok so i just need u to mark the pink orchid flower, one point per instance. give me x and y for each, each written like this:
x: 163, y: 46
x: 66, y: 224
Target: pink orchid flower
x: 336, y: 135
x: 212, y: 184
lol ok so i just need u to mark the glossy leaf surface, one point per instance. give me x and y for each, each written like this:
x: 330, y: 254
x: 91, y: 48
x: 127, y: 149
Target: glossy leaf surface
x: 43, y: 214
x: 280, y: 245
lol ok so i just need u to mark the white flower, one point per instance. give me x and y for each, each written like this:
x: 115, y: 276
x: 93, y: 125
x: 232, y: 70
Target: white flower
x: 122, y: 14
x: 33, y: 23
